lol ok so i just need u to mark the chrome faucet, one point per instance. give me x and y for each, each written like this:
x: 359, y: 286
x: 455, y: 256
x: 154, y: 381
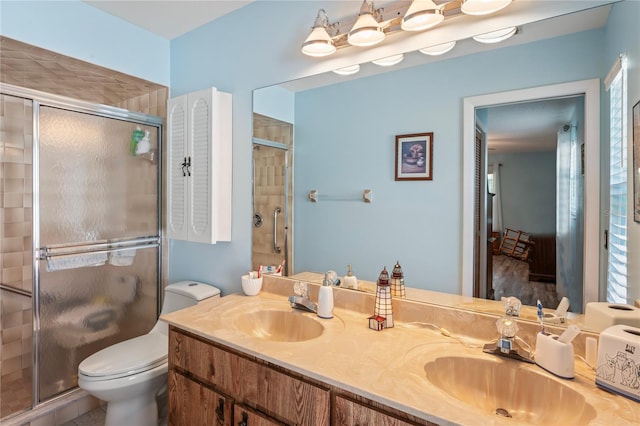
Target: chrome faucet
x: 300, y: 300
x: 508, y: 344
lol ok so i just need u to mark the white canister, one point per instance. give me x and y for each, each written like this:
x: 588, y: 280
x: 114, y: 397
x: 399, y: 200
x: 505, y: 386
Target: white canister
x: 325, y: 301
x: 251, y: 286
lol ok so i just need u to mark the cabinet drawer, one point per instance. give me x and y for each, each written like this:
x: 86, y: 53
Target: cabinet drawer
x: 230, y: 373
x: 192, y: 404
x: 351, y: 413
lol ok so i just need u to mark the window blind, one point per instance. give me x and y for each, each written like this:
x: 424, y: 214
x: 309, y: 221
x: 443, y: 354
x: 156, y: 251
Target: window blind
x: 617, y: 262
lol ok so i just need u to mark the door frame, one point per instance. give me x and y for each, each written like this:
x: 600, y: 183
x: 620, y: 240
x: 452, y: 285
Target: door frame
x: 591, y: 91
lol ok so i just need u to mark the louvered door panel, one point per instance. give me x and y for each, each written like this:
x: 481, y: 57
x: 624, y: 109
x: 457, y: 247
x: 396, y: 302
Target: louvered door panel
x: 177, y: 191
x: 201, y: 179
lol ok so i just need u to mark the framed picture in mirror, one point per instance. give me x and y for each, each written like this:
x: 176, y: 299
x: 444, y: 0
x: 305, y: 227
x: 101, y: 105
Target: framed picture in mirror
x: 414, y: 156
x: 636, y: 162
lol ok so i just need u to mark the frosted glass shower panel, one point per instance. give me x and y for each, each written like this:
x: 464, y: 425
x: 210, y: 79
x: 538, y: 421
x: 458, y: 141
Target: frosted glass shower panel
x: 92, y: 186
x: 83, y: 310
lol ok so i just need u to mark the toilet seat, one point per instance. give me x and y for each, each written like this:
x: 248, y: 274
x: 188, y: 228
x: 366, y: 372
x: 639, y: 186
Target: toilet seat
x: 126, y: 358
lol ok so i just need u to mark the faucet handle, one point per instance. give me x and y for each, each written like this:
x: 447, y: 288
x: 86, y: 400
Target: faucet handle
x: 512, y: 306
x: 301, y: 289
x: 507, y: 327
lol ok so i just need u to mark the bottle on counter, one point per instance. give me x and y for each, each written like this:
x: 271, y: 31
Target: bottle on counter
x: 350, y: 281
x: 325, y: 298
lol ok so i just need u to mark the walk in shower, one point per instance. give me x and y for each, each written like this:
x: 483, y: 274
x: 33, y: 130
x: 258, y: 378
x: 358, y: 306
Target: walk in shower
x: 272, y: 189
x: 80, y: 247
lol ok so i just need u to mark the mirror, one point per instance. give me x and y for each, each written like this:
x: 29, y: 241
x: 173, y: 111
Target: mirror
x: 344, y: 132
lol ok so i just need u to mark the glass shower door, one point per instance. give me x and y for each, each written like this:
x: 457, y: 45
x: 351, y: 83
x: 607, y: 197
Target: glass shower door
x: 98, y: 240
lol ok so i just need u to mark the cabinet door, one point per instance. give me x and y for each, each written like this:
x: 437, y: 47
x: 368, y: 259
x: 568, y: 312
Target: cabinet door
x: 177, y: 196
x: 192, y: 404
x: 291, y: 399
x: 350, y: 413
x: 199, y: 149
x: 244, y: 417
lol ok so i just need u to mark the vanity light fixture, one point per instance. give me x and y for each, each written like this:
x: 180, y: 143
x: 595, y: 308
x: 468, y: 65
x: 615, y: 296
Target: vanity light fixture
x: 389, y: 60
x: 367, y: 30
x: 422, y: 15
x: 438, y: 49
x: 496, y: 36
x: 319, y: 43
x: 369, y: 27
x: 483, y: 7
x: 351, y: 69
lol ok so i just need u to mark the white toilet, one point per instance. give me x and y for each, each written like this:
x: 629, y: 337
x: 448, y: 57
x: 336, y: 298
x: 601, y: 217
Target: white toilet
x: 130, y: 374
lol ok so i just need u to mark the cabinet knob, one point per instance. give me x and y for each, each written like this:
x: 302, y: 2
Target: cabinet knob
x: 220, y: 411
x: 245, y: 419
x: 184, y: 166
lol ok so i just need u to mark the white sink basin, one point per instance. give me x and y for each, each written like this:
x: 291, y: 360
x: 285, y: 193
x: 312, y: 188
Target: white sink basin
x: 506, y: 388
x: 280, y: 325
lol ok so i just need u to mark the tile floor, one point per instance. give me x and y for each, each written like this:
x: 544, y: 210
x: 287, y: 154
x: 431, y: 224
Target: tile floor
x: 94, y: 417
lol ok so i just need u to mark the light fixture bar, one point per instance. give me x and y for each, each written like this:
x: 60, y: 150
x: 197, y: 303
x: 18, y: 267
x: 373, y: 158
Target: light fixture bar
x: 369, y: 28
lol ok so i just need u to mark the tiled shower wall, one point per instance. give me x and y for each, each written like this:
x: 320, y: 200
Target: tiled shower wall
x: 16, y: 198
x: 34, y: 68
x: 268, y: 181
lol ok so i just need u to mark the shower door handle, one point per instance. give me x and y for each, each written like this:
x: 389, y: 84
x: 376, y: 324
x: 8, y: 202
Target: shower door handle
x: 276, y: 248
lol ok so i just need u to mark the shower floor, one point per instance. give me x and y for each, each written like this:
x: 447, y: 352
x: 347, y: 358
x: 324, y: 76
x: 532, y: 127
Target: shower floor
x: 15, y: 395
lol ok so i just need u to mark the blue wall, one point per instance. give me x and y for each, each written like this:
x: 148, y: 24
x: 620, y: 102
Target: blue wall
x: 352, y: 148
x: 528, y: 189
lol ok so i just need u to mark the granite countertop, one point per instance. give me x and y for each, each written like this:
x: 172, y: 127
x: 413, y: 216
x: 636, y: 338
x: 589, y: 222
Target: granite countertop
x: 386, y: 366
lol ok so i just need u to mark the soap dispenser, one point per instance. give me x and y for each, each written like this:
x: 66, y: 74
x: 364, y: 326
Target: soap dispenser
x: 350, y: 281
x: 325, y: 299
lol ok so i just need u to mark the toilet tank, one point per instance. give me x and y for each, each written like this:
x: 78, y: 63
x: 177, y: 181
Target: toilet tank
x: 181, y: 295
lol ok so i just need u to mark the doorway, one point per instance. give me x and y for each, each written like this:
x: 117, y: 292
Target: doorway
x: 272, y: 188
x: 535, y: 199
x: 590, y: 157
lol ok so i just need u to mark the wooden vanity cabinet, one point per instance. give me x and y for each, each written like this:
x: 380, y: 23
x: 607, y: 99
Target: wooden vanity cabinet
x: 277, y: 395
x: 210, y: 384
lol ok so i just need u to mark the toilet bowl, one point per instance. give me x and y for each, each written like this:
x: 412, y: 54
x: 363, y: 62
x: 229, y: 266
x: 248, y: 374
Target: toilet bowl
x: 129, y: 375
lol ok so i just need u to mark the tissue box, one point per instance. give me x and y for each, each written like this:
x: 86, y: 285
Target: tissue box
x: 618, y: 368
x: 600, y: 315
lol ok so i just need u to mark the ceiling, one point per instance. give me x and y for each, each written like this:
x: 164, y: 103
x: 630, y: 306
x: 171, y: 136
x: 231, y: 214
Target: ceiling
x: 528, y: 126
x: 522, y: 127
x: 168, y: 19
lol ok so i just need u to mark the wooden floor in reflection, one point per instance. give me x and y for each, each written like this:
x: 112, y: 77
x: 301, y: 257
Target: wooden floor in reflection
x: 511, y: 278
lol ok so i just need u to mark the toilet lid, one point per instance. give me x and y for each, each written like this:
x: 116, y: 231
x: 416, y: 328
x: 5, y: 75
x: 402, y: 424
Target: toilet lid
x: 126, y: 358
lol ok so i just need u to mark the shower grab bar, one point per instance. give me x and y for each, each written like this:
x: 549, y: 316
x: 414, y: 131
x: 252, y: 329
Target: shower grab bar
x: 276, y: 248
x: 16, y: 290
x: 45, y: 253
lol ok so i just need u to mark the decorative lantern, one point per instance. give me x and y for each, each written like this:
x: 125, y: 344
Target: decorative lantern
x: 384, y: 307
x: 397, y: 282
